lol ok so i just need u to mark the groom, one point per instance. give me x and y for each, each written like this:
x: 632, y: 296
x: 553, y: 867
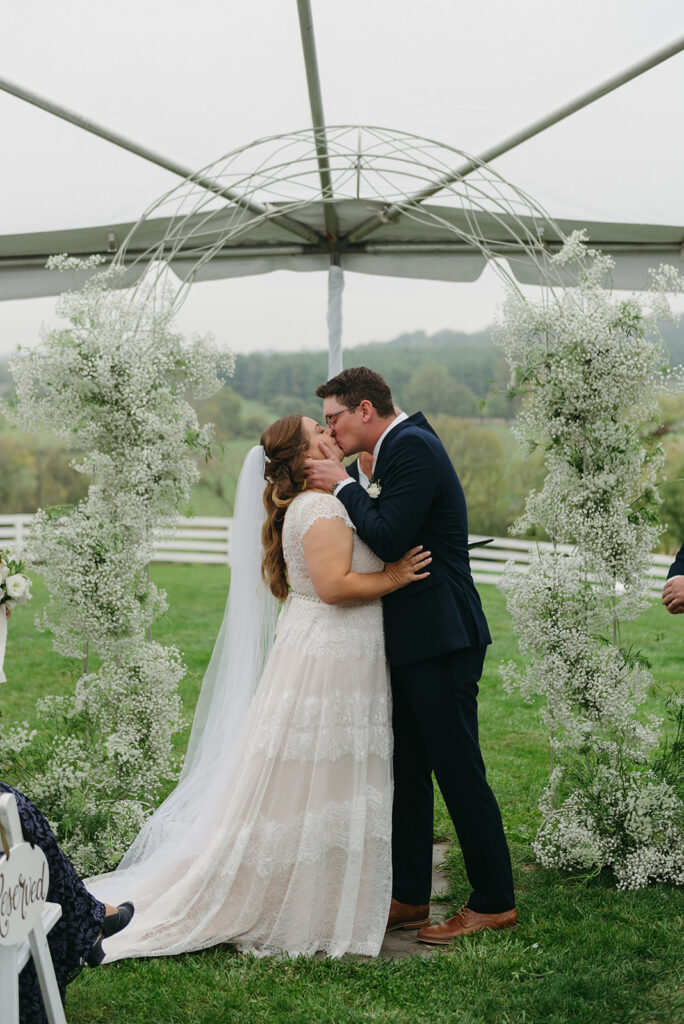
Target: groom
x: 436, y: 637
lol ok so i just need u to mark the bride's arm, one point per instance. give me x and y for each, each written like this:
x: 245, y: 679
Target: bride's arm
x: 328, y: 546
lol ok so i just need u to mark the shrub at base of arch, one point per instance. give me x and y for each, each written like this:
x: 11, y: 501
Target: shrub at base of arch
x: 113, y: 384
x: 592, y: 368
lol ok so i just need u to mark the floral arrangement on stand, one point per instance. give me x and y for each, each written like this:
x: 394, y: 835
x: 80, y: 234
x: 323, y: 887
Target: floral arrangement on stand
x: 113, y: 384
x: 15, y: 585
x: 592, y: 368
x: 15, y: 588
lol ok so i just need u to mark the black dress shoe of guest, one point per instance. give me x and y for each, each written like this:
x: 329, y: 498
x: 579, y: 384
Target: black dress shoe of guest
x: 95, y: 954
x: 112, y: 924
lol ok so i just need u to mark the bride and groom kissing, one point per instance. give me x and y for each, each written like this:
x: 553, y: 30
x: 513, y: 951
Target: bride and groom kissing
x: 303, y: 818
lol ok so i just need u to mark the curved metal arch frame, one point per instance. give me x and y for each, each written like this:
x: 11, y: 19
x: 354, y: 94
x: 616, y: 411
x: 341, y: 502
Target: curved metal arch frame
x: 499, y: 220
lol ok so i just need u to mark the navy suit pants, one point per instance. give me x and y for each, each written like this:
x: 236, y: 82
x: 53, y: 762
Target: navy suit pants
x: 436, y: 730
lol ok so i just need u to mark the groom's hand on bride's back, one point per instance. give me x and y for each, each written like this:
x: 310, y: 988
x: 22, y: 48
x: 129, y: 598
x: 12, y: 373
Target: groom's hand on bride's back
x: 324, y: 473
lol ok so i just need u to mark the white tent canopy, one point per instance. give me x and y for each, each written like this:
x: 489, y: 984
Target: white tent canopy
x: 404, y: 249
x: 192, y: 84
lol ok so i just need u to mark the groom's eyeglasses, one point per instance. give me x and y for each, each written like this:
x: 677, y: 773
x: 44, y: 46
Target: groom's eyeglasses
x: 332, y: 416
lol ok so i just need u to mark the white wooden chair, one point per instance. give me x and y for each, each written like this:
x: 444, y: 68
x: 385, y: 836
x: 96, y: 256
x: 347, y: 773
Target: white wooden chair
x: 13, y: 957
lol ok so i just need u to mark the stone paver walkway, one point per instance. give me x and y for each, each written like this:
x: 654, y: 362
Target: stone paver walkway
x: 403, y: 943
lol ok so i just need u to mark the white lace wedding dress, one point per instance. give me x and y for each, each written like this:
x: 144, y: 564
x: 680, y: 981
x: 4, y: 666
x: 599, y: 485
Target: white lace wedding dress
x: 298, y: 858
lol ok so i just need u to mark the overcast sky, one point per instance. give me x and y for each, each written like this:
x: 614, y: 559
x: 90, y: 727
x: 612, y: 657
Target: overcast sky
x: 195, y: 80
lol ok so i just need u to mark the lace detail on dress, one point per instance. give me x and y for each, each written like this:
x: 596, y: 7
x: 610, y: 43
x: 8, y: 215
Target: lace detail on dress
x: 318, y: 505
x: 302, y: 513
x: 313, y: 728
x: 306, y: 622
x: 270, y: 846
x: 320, y: 630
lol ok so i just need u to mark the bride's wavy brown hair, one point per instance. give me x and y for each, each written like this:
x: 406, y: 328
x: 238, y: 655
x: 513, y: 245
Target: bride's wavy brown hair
x: 285, y: 445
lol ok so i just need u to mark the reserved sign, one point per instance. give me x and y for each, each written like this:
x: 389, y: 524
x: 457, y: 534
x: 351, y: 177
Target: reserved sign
x: 24, y: 879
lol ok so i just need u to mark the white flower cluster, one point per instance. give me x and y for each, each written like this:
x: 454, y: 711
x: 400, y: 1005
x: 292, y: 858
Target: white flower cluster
x: 591, y: 367
x: 629, y: 822
x: 15, y: 586
x: 112, y: 383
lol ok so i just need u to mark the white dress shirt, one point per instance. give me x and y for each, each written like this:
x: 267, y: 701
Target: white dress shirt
x: 363, y: 479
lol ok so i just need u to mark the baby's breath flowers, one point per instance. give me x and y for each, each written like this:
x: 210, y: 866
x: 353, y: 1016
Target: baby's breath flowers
x: 592, y: 368
x: 112, y: 383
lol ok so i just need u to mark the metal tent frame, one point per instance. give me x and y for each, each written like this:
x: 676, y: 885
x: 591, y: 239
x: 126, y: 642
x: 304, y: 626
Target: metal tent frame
x: 332, y: 230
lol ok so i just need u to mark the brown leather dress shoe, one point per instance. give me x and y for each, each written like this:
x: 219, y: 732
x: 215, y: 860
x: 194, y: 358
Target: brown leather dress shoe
x: 464, y: 923
x: 405, y: 915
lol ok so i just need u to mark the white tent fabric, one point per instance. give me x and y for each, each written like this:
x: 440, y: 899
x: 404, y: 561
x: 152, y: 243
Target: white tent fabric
x: 194, y: 83
x: 407, y: 248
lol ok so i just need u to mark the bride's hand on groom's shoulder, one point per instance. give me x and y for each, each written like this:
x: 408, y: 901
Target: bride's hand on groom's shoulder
x: 409, y: 568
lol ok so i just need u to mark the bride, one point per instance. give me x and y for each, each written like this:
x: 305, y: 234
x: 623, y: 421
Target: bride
x: 277, y: 837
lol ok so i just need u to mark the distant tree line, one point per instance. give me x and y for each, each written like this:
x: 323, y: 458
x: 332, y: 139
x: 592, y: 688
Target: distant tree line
x: 447, y: 375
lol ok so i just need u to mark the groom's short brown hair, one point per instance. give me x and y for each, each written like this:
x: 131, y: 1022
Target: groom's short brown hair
x: 357, y: 383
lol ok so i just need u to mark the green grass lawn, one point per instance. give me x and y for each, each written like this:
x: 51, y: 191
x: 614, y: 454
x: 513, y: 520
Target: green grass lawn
x: 583, y: 952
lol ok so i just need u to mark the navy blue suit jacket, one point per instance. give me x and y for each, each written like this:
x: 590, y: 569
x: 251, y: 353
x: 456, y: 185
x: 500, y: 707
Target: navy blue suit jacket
x: 677, y: 567
x: 353, y: 469
x: 421, y: 502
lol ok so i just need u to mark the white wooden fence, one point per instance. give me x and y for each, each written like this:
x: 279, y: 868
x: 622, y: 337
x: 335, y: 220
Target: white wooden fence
x: 207, y: 539
x: 487, y: 563
x: 201, y: 539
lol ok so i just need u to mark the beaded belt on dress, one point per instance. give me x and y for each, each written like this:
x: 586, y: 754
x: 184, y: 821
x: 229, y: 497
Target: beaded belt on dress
x: 306, y: 597
x: 316, y: 600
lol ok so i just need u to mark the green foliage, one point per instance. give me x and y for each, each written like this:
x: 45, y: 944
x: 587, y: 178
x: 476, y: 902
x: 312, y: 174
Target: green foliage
x: 669, y: 764
x: 226, y: 410
x: 495, y: 477
x: 6, y: 382
x: 36, y: 472
x: 670, y: 431
x: 287, y: 405
x: 471, y: 362
x: 434, y: 390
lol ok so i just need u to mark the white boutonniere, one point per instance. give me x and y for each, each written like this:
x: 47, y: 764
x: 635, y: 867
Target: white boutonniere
x: 373, y: 490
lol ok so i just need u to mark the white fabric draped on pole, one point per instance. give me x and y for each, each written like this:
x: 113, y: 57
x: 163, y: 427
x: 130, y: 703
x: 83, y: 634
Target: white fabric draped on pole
x: 335, y: 289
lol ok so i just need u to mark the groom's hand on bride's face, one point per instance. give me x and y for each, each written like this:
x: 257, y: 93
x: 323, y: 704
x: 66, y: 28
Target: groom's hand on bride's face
x: 324, y: 473
x: 329, y: 451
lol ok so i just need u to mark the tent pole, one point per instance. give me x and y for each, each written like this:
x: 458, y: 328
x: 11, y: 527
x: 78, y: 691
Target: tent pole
x: 334, y: 318
x: 609, y: 85
x: 316, y: 103
x: 288, y: 223
x: 335, y: 274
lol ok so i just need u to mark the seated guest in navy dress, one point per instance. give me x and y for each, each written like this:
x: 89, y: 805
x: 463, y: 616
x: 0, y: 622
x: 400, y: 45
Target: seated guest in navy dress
x: 76, y: 939
x: 673, y: 592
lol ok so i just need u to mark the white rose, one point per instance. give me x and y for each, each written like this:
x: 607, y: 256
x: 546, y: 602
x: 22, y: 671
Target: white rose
x: 373, y: 489
x: 18, y: 587
x: 4, y: 572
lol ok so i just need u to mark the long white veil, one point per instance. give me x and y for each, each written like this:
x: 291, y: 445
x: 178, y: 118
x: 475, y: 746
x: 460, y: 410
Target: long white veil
x: 185, y: 819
